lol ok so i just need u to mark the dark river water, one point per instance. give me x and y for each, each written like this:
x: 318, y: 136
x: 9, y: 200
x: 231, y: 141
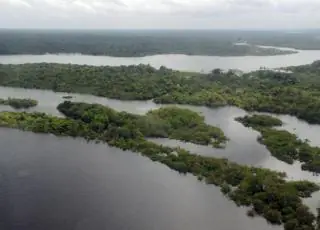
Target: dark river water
x: 55, y: 183
x: 61, y: 184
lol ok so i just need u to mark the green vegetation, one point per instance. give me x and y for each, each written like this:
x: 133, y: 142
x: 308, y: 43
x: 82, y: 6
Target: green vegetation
x: 295, y: 93
x: 259, y: 121
x: 282, y: 144
x: 169, y: 122
x: 125, y: 82
x: 265, y: 191
x: 19, y: 103
x: 183, y: 124
x: 127, y: 43
x: 299, y: 39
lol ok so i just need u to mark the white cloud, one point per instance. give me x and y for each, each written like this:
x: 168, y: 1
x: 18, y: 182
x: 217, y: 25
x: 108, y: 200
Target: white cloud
x: 166, y: 13
x: 19, y: 3
x: 86, y: 6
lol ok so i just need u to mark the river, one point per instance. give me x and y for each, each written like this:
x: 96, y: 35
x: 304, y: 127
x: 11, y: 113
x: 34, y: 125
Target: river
x: 176, y: 61
x: 65, y: 183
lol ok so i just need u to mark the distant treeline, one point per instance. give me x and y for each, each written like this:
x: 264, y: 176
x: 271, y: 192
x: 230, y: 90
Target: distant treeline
x: 127, y: 43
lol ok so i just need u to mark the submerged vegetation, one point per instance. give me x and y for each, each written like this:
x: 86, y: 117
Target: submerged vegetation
x: 282, y: 144
x: 267, y: 193
x: 295, y: 93
x: 19, y: 103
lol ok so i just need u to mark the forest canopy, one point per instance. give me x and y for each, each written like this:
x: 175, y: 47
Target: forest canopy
x: 127, y: 43
x: 168, y: 122
x: 295, y: 93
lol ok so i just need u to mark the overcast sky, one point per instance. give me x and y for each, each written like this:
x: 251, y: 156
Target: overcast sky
x: 160, y: 14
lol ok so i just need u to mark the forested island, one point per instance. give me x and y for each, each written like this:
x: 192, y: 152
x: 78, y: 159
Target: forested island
x: 18, y: 103
x: 257, y: 121
x: 296, y: 93
x: 265, y: 192
x: 181, y: 124
x: 128, y: 43
x: 169, y: 122
x: 282, y: 144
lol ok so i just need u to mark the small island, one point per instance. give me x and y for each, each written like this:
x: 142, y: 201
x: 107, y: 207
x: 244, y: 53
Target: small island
x: 259, y: 121
x: 67, y: 97
x: 18, y: 103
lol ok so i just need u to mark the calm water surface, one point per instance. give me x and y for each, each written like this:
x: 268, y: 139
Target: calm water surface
x: 66, y: 183
x: 175, y: 61
x: 48, y: 101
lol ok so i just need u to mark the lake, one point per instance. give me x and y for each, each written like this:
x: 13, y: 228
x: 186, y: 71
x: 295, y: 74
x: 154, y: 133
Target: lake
x: 175, y: 61
x: 65, y: 183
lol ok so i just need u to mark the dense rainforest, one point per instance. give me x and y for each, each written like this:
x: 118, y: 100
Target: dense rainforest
x: 18, y: 103
x: 127, y: 43
x: 265, y: 192
x: 296, y: 92
x: 169, y: 122
x: 282, y: 144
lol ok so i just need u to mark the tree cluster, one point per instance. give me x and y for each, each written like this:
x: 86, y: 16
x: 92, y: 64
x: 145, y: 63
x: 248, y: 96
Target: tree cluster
x: 18, y: 103
x: 295, y: 93
x: 168, y: 122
